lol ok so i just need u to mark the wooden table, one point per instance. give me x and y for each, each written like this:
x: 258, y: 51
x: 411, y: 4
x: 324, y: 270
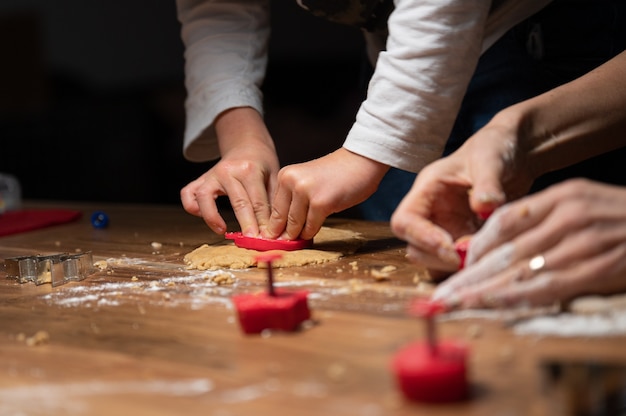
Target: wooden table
x: 148, y: 337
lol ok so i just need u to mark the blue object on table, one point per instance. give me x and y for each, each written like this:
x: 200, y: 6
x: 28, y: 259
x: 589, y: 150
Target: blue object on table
x: 99, y: 219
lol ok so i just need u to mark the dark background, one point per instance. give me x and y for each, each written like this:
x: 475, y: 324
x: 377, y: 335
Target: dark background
x: 92, y: 95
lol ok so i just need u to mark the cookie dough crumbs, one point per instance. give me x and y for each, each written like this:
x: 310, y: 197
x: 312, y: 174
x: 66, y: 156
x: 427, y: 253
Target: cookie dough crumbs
x: 170, y: 284
x: 383, y: 273
x: 354, y: 265
x: 355, y: 285
x: 425, y: 287
x: 156, y: 245
x: 40, y: 337
x: 336, y: 372
x: 389, y: 269
x: 308, y: 324
x: 474, y: 331
x: 94, y: 328
x: 154, y: 284
x: 591, y: 305
x: 339, y: 270
x: 45, y: 277
x: 167, y: 296
x: 134, y: 278
x: 505, y: 354
x: 223, y: 279
x: 424, y: 275
x: 101, y: 264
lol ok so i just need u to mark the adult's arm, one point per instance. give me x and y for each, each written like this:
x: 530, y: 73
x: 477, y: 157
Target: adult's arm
x: 573, y: 122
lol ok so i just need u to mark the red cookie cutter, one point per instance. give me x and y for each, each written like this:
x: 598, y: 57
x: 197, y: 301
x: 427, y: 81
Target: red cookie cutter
x: 461, y: 246
x: 265, y: 244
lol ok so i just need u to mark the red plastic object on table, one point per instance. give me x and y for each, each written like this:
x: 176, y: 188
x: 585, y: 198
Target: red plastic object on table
x: 275, y: 309
x: 266, y: 244
x: 431, y: 371
x: 461, y: 246
x: 14, y: 222
x: 284, y: 311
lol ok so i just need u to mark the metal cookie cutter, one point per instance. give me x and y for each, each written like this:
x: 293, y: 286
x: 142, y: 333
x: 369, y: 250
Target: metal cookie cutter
x: 56, y: 269
x: 580, y: 387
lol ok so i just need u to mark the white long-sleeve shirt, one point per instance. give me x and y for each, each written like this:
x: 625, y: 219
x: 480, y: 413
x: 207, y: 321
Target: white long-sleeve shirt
x: 413, y: 96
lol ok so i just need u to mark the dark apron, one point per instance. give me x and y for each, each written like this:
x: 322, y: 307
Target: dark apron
x: 370, y: 15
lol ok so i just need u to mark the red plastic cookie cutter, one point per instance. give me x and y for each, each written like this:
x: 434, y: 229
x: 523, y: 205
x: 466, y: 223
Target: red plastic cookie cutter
x: 426, y: 308
x: 266, y: 244
x: 275, y: 309
x: 461, y: 246
x: 431, y: 370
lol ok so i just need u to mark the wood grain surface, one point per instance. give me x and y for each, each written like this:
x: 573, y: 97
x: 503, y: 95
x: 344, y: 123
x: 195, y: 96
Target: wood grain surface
x: 145, y: 336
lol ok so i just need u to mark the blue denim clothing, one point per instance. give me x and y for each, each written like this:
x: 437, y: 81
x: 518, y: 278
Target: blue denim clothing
x: 563, y: 41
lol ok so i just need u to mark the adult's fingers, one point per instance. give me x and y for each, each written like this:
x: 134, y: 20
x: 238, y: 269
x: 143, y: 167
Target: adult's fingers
x: 430, y: 261
x: 508, y: 222
x: 428, y: 244
x: 492, y: 264
x: 487, y: 175
x: 567, y: 257
x: 602, y: 274
x: 535, y: 241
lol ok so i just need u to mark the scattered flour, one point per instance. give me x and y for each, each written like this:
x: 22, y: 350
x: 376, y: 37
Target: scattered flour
x: 571, y: 325
x: 199, y: 288
x: 549, y: 322
x: 66, y: 398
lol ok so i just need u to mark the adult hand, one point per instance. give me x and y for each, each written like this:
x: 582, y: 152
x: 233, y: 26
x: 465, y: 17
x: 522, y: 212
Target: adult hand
x: 307, y: 193
x: 563, y: 242
x: 489, y: 167
x: 246, y: 173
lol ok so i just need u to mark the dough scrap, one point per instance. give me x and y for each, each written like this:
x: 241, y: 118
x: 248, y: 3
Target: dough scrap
x: 595, y: 304
x: 329, y: 244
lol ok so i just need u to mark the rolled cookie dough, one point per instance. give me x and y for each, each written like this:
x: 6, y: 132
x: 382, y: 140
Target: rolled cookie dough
x: 328, y: 245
